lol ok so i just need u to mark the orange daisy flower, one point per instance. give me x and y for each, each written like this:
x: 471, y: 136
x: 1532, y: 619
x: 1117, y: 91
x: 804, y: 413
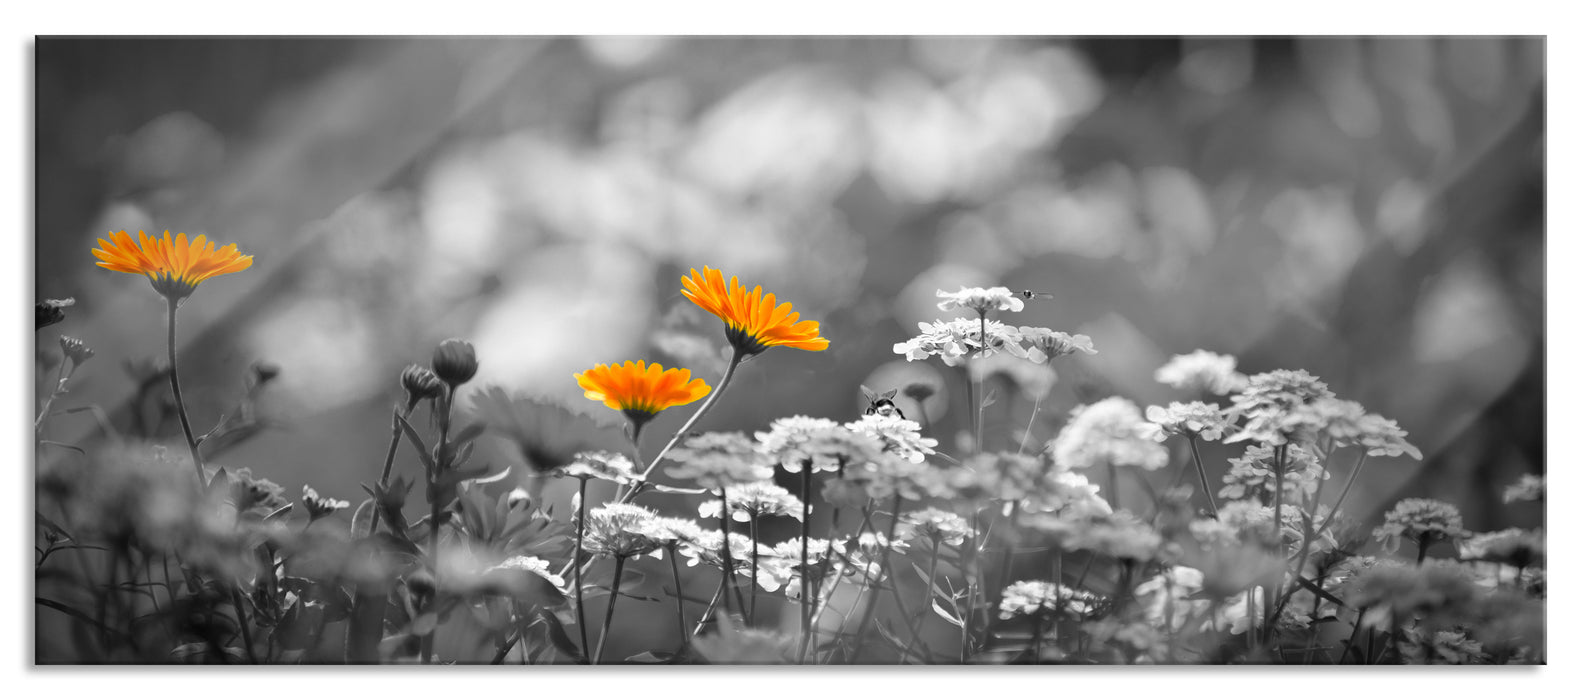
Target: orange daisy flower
x: 753, y: 323
x: 640, y: 390
x: 174, y: 268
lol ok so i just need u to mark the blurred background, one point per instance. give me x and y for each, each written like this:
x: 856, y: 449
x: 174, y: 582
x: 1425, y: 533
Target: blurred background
x: 1371, y: 210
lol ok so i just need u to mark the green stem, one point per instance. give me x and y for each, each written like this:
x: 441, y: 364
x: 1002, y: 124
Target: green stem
x: 1202, y: 476
x: 390, y: 453
x: 175, y: 391
x: 1029, y: 431
x: 977, y: 409
x: 727, y: 568
x: 802, y: 601
x: 576, y: 561
x: 436, y: 508
x: 1351, y: 479
x: 609, y: 612
x: 730, y: 371
x: 928, y: 592
x: 752, y: 608
x: 681, y: 606
x: 61, y: 377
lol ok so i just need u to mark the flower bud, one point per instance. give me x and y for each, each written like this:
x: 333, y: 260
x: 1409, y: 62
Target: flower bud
x: 455, y: 361
x: 75, y: 350
x: 420, y: 383
x: 50, y: 312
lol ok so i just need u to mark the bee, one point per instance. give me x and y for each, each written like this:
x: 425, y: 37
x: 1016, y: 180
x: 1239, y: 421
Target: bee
x: 881, y: 404
x: 1030, y: 294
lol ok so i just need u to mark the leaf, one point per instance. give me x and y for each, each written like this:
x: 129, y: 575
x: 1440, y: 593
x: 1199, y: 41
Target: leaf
x: 1320, y: 592
x: 993, y: 395
x: 649, y: 657
x: 558, y: 636
x: 948, y: 617
x: 417, y: 442
x: 675, y: 489
x: 279, y: 512
x: 362, y: 516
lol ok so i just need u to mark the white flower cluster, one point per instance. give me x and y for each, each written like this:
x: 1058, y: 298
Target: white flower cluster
x: 1110, y: 432
x: 754, y: 500
x: 1041, y: 598
x: 1197, y: 419
x: 979, y: 300
x: 1202, y: 370
x: 899, y: 436
x: 1413, y: 518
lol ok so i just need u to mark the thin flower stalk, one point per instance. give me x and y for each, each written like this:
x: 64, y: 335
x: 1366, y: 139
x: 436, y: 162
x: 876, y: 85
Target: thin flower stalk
x: 1202, y: 475
x: 175, y: 390
x: 576, y: 561
x: 730, y: 371
x: 609, y: 612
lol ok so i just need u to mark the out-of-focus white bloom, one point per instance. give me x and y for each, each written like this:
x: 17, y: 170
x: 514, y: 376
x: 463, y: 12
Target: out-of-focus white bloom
x: 319, y: 506
x: 1197, y: 418
x: 955, y: 340
x: 1034, y: 380
x: 1044, y: 345
x: 1528, y: 488
x: 934, y: 525
x: 979, y: 300
x: 1348, y: 423
x: 899, y: 436
x: 533, y: 565
x: 1110, y: 432
x: 785, y: 565
x: 1068, y: 494
x: 1202, y: 370
x: 1043, y: 598
x: 754, y: 500
x: 715, y: 460
x: 819, y: 442
x: 1119, y: 535
x: 1514, y: 546
x: 1413, y: 518
x: 1170, y: 597
x: 609, y: 466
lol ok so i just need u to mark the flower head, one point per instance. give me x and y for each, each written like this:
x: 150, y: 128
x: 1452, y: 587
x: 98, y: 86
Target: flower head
x: 717, y: 460
x: 1044, y: 345
x: 754, y: 500
x: 609, y: 466
x: 823, y: 444
x: 1042, y: 598
x: 981, y: 301
x: 641, y: 390
x: 901, y: 437
x: 753, y: 323
x: 319, y: 506
x: 1513, y: 546
x: 1270, y: 404
x: 1252, y: 474
x: 75, y: 350
x: 420, y: 383
x: 1202, y: 370
x: 1108, y: 432
x: 935, y: 525
x: 1198, y: 419
x: 624, y: 530
x: 455, y: 361
x: 1418, y: 518
x: 959, y: 338
x: 1528, y: 488
x: 173, y: 267
x: 548, y: 434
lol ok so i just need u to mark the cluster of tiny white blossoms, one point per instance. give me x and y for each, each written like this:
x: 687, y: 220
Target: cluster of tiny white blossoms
x: 1511, y: 546
x: 979, y: 300
x: 1413, y: 518
x: 1269, y: 402
x: 754, y: 500
x: 957, y: 339
x: 822, y: 444
x: 1197, y: 419
x: 1043, y: 598
x: 717, y: 460
x: 898, y: 435
x: 607, y: 466
x: 1107, y: 433
x: 1202, y: 370
x: 935, y: 526
x: 623, y: 530
x: 1044, y: 345
x: 532, y: 565
x: 1528, y: 488
x: 1252, y: 474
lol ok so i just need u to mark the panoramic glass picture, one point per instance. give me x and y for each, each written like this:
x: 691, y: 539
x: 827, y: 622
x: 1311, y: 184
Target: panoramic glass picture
x: 819, y: 351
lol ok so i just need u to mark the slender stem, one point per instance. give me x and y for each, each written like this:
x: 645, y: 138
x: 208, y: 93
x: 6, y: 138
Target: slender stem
x: 1422, y: 547
x: 709, y: 611
x: 681, y: 606
x: 609, y: 612
x: 977, y: 409
x: 802, y: 601
x: 390, y: 453
x: 928, y: 591
x: 1202, y: 475
x: 576, y: 561
x: 1115, y: 486
x: 241, y: 622
x: 436, y: 508
x: 1029, y: 431
x: 1005, y: 562
x: 884, y: 566
x: 175, y: 391
x: 752, y: 608
x: 730, y: 371
x: 727, y: 568
x: 1351, y: 479
x: 61, y: 377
